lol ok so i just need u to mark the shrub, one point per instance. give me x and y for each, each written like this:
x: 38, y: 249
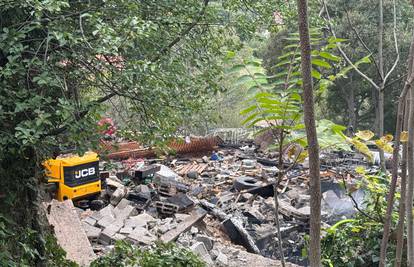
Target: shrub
x: 161, y: 255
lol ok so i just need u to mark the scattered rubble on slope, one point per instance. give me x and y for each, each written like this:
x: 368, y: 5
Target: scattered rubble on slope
x: 218, y: 203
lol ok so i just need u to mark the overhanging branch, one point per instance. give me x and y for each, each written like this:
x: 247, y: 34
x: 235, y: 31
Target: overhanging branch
x: 342, y: 51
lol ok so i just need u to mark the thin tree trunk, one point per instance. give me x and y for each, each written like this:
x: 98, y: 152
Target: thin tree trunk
x: 277, y: 221
x: 403, y: 198
x: 381, y: 87
x: 395, y: 165
x: 276, y: 199
x: 410, y: 168
x: 313, y: 147
x: 381, y: 124
x: 376, y: 109
x: 351, y: 109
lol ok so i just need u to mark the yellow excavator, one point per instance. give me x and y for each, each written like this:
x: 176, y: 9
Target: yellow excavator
x: 74, y: 177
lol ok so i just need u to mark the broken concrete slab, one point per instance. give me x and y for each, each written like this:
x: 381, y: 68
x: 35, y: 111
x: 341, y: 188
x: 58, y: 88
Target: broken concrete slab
x: 199, y: 249
x: 117, y: 237
x: 173, y: 234
x: 239, y: 235
x: 222, y: 260
x: 181, y: 216
x: 140, y: 235
x: 106, y: 237
x: 206, y: 240
x: 89, y: 220
x: 96, y: 216
x: 114, y: 182
x: 122, y: 204
x: 123, y: 211
x: 166, y: 172
x: 69, y: 232
x: 108, y: 210
x: 106, y: 221
x: 238, y: 258
x: 92, y: 232
x: 140, y: 220
x: 182, y: 201
x: 126, y: 230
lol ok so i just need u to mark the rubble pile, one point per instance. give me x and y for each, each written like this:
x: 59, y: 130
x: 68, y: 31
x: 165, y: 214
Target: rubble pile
x: 220, y: 205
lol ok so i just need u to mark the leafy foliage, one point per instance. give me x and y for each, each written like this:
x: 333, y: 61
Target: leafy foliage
x: 276, y: 99
x: 63, y: 64
x: 25, y: 241
x: 351, y: 101
x: 362, y: 139
x: 356, y: 242
x: 163, y: 255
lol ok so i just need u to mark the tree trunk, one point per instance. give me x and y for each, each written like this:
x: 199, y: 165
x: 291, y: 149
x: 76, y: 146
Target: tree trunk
x: 403, y: 193
x: 313, y: 147
x: 410, y: 168
x: 376, y: 109
x: 404, y: 197
x: 351, y: 109
x: 395, y: 165
x: 381, y: 124
x: 348, y: 95
x: 276, y: 199
x: 381, y: 87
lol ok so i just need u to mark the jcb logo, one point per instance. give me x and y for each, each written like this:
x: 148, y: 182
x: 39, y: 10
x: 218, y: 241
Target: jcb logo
x: 84, y: 173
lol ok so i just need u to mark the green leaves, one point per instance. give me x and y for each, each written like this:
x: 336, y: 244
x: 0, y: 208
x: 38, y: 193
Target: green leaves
x: 277, y: 102
x: 321, y: 63
x: 162, y: 255
x: 329, y: 56
x: 236, y: 69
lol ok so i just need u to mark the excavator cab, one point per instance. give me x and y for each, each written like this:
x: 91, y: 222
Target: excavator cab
x: 75, y: 177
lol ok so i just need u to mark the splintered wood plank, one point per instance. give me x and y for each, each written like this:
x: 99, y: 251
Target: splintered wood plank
x: 69, y: 232
x: 185, y: 225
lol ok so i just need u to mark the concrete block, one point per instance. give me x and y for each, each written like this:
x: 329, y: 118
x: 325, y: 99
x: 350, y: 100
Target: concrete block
x: 117, y: 196
x: 199, y: 249
x: 89, y: 220
x: 106, y: 236
x: 194, y: 230
x: 92, y: 232
x: 181, y: 216
x: 121, y: 214
x: 140, y: 220
x: 108, y: 210
x: 106, y: 221
x: 114, y: 182
x: 122, y: 204
x: 105, y: 239
x: 142, y: 188
x: 126, y: 230
x: 96, y: 215
x: 118, y: 237
x: 222, y: 260
x: 206, y: 240
x: 141, y: 235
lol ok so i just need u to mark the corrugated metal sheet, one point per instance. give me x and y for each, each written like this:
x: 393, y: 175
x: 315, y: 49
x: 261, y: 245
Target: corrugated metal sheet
x: 134, y: 150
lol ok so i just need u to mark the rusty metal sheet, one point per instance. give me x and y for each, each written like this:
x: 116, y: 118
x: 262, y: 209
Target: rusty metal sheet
x: 134, y: 150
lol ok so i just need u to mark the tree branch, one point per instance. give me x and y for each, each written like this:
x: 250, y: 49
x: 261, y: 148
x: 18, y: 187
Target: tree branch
x: 183, y: 33
x: 395, y: 43
x: 362, y: 41
x: 343, y: 53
